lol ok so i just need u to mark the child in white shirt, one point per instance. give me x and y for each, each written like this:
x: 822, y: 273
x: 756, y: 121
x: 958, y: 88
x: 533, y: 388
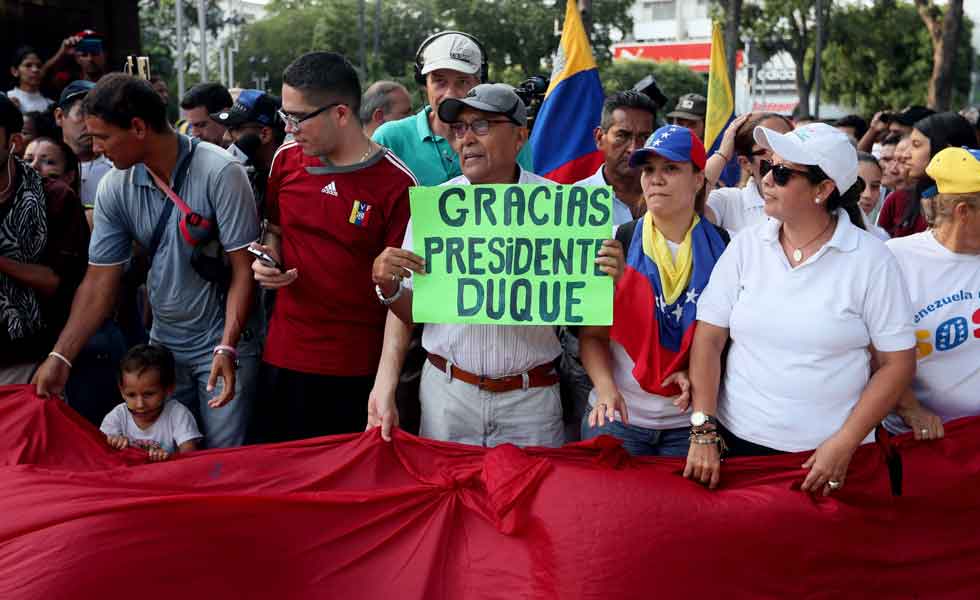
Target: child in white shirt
x: 148, y: 419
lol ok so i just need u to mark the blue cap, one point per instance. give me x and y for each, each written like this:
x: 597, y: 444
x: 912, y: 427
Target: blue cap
x: 252, y: 106
x: 74, y: 90
x: 673, y: 142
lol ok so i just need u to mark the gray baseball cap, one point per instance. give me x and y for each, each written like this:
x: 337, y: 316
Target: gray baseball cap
x: 497, y: 98
x: 690, y: 106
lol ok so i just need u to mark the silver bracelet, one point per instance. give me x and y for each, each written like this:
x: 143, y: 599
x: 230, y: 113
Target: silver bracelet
x: 61, y: 357
x: 385, y: 300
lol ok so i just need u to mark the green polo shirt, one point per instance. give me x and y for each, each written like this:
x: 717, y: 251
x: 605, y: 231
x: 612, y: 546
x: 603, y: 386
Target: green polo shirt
x: 429, y: 156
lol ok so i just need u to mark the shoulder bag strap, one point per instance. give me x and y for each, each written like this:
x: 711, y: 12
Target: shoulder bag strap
x: 168, y: 208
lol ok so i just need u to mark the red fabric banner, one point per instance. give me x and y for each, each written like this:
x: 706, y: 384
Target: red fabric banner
x: 354, y: 517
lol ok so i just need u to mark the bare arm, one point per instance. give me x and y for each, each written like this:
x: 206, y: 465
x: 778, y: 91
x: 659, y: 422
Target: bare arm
x: 40, y: 278
x: 237, y: 307
x: 593, y: 345
x: 381, y: 401
x: 704, y: 460
x: 831, y: 459
x: 189, y: 446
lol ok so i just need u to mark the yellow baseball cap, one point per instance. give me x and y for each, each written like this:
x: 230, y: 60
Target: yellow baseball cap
x: 956, y: 170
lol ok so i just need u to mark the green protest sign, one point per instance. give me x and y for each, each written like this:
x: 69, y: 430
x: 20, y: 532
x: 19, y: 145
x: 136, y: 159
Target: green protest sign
x: 511, y: 254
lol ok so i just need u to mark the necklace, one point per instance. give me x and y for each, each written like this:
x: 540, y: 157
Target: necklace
x: 798, y: 250
x: 367, y: 153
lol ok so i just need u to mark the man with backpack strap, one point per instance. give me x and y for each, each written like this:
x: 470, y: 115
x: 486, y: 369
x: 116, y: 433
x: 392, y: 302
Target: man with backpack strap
x: 200, y: 281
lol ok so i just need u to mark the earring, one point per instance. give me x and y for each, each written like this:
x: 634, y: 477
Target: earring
x: 817, y: 200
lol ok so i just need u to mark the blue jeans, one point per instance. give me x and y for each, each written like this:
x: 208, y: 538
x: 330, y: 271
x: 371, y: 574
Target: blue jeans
x: 223, y: 427
x: 640, y: 441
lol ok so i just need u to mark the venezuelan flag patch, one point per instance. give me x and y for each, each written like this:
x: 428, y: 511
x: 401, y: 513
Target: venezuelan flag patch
x: 359, y: 213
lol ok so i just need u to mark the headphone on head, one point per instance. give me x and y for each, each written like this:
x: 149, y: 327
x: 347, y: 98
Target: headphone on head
x: 419, y: 65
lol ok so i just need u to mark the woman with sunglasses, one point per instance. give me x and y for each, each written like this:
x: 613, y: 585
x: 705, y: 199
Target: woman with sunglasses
x: 808, y: 299
x: 902, y: 213
x: 639, y: 365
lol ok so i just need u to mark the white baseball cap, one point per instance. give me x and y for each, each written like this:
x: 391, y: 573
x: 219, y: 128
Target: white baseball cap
x: 452, y: 51
x: 815, y: 144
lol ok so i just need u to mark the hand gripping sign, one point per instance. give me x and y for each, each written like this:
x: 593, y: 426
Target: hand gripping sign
x: 512, y: 254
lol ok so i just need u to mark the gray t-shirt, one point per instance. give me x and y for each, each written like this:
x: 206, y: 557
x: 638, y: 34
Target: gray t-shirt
x: 173, y: 427
x: 188, y: 312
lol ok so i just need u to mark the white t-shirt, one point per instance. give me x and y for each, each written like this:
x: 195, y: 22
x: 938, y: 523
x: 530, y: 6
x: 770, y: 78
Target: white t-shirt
x: 621, y: 212
x: 873, y: 229
x: 737, y: 208
x: 91, y: 173
x: 945, y: 291
x: 650, y: 411
x: 173, y: 427
x: 799, y: 357
x: 30, y: 101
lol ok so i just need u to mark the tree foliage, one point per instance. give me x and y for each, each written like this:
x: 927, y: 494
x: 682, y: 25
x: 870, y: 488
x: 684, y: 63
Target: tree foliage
x: 788, y: 26
x: 881, y: 56
x: 158, y: 30
x: 519, y: 35
x: 674, y: 79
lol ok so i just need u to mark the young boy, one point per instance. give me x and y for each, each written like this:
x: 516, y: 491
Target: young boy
x: 146, y: 419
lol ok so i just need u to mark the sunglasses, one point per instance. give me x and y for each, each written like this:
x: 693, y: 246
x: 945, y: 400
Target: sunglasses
x: 781, y: 174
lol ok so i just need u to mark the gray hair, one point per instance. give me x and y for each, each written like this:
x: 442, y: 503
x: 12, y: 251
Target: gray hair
x: 377, y: 96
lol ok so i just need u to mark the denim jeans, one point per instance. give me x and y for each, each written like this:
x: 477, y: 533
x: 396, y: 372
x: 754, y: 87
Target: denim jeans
x: 640, y: 441
x: 223, y: 427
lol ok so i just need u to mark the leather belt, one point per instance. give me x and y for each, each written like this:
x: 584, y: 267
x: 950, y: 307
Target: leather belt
x: 540, y: 376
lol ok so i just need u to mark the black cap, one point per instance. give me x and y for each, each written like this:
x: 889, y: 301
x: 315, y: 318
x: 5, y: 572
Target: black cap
x: 73, y: 91
x: 913, y: 114
x: 252, y: 106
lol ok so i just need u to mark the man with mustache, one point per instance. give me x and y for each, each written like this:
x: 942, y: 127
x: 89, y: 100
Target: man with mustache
x: 92, y: 166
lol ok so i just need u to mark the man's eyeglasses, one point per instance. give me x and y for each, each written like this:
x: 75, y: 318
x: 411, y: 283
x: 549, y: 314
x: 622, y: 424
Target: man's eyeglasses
x: 480, y: 127
x: 294, y: 121
x: 781, y: 174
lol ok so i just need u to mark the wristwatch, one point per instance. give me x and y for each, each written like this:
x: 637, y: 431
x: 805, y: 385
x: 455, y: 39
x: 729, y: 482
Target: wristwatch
x: 699, y: 419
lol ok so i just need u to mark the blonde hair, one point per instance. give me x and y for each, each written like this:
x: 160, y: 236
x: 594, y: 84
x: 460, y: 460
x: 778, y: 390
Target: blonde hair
x: 939, y: 208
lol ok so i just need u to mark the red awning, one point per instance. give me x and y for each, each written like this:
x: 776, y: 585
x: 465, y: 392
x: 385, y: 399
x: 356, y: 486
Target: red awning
x: 696, y: 55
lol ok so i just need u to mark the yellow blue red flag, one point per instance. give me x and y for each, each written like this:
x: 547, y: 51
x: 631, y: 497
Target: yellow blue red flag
x: 562, y: 140
x: 721, y: 104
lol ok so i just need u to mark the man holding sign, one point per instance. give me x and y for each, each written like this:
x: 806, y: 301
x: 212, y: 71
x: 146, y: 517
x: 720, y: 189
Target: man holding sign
x: 489, y: 384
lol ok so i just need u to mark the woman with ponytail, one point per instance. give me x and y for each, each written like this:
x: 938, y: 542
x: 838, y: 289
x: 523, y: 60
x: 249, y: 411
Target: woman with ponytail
x: 902, y: 213
x: 806, y: 300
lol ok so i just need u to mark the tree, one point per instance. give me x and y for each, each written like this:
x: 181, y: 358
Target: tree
x: 879, y: 56
x: 944, y: 30
x: 788, y: 26
x: 519, y: 35
x: 158, y: 31
x: 674, y: 79
x: 729, y: 12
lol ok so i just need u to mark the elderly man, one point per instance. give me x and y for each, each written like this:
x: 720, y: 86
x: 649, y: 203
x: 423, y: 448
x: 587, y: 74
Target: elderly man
x: 382, y: 102
x: 482, y: 384
x: 447, y: 65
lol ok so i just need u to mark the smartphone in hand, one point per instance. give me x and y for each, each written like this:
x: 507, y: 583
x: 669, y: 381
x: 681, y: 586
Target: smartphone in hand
x: 267, y: 259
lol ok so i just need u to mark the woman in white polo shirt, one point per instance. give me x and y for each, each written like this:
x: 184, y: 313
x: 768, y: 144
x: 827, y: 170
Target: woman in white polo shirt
x: 942, y: 270
x: 806, y: 298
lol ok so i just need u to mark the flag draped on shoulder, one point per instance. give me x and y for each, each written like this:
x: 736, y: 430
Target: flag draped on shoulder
x: 562, y: 139
x: 655, y: 307
x: 721, y: 104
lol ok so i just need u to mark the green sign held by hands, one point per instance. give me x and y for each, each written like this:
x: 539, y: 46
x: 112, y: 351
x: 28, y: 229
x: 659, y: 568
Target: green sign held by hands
x: 512, y: 254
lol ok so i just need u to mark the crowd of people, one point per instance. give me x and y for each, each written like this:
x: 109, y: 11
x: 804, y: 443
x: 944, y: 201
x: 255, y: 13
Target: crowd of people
x: 246, y: 275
